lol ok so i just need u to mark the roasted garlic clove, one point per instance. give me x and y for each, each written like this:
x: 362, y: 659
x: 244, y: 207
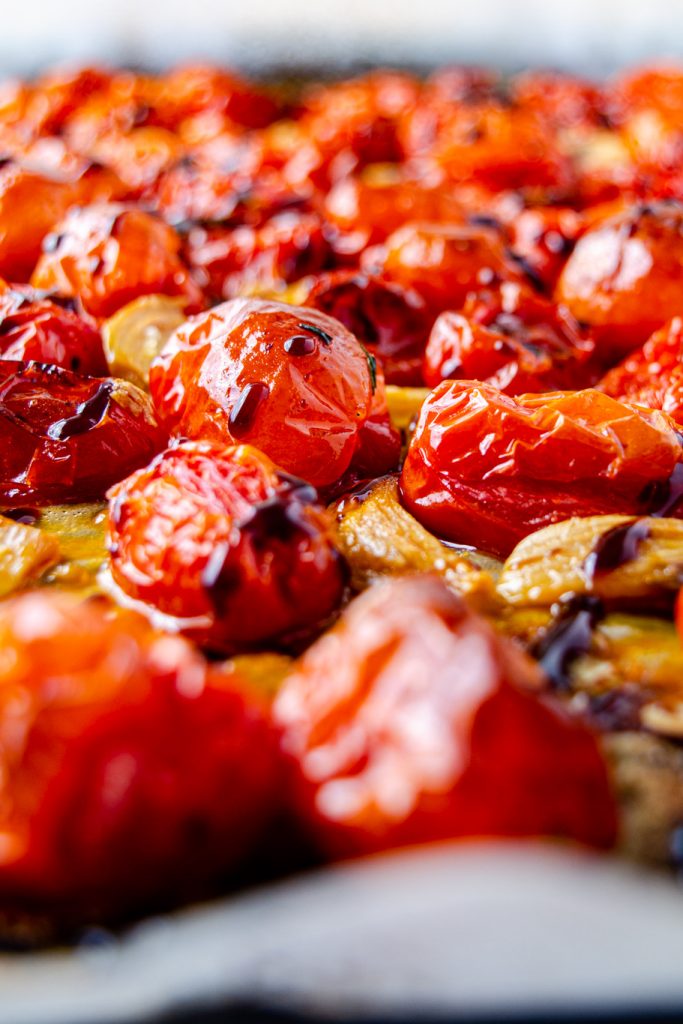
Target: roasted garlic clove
x: 135, y: 335
x: 378, y: 537
x: 614, y: 557
x: 25, y: 554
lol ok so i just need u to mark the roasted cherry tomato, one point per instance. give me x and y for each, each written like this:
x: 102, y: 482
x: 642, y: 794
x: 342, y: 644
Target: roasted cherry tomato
x: 107, y: 255
x: 30, y: 204
x: 289, y: 380
x: 66, y: 438
x: 412, y: 721
x: 131, y: 770
x: 443, y: 262
x: 513, y: 339
x: 623, y: 279
x: 487, y: 469
x: 231, y: 261
x: 653, y: 374
x: 544, y: 237
x: 35, y: 328
x: 391, y: 320
x: 202, y: 89
x: 217, y: 537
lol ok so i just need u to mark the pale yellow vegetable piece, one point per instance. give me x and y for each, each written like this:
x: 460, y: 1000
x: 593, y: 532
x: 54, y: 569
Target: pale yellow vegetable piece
x: 135, y: 335
x: 555, y: 562
x: 404, y: 405
x: 25, y: 554
x: 378, y: 537
x: 80, y: 530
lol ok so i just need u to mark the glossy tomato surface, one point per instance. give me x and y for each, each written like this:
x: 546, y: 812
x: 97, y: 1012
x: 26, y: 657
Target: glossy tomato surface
x: 412, y: 721
x: 487, y: 469
x: 218, y: 538
x: 34, y: 328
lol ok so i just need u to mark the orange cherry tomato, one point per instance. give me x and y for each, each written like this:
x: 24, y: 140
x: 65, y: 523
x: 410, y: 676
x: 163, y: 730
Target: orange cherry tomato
x: 288, y: 380
x: 413, y: 721
x: 246, y: 557
x: 623, y: 279
x: 30, y: 204
x: 133, y: 773
x: 512, y: 338
x: 67, y: 438
x: 106, y: 255
x: 487, y: 469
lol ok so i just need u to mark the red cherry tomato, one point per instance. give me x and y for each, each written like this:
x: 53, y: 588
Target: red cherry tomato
x: 443, y: 262
x: 107, y: 255
x: 34, y: 328
x: 288, y: 380
x: 246, y: 557
x: 544, y: 237
x: 487, y: 469
x: 412, y: 721
x: 623, y: 279
x: 132, y: 771
x: 653, y: 374
x: 67, y: 438
x: 513, y: 339
x: 392, y: 321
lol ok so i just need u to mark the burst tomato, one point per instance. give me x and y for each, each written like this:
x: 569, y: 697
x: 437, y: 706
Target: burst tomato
x: 34, y: 328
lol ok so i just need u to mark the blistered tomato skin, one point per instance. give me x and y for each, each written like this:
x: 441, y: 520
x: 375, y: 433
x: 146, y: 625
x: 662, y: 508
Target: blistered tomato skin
x: 132, y: 771
x: 106, y: 255
x: 513, y: 339
x: 487, y: 469
x: 33, y: 328
x: 652, y: 375
x: 289, y: 380
x: 67, y: 438
x: 623, y: 279
x: 217, y: 537
x: 392, y: 321
x: 444, y: 262
x: 489, y: 758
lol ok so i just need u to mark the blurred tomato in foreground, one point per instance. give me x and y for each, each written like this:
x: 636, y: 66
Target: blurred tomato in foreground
x: 412, y: 721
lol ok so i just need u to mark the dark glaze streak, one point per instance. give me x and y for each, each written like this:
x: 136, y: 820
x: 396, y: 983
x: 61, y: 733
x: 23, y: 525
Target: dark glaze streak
x: 663, y: 498
x: 244, y: 411
x: 568, y: 638
x: 615, y: 548
x: 318, y: 331
x: 87, y: 416
x: 299, y: 345
x: 28, y: 516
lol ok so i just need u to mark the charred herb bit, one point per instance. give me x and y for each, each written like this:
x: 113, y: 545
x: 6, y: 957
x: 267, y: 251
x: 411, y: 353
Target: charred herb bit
x: 568, y: 638
x: 372, y: 367
x: 318, y: 331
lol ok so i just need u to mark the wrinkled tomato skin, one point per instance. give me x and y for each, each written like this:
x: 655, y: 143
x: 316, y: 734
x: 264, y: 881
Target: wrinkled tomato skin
x: 35, y: 329
x: 287, y: 247
x: 490, y: 757
x: 221, y: 540
x: 444, y: 262
x: 226, y: 375
x: 623, y: 279
x: 67, y: 438
x: 132, y: 771
x: 107, y: 254
x: 652, y: 375
x: 391, y: 321
x: 514, y: 340
x: 487, y: 469
x: 544, y: 237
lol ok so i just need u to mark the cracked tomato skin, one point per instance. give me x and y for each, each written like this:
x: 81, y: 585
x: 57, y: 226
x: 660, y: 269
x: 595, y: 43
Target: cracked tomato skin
x: 652, y: 375
x: 392, y: 321
x: 411, y: 721
x: 132, y: 771
x: 222, y: 540
x: 511, y: 338
x: 33, y: 328
x: 444, y: 262
x: 67, y: 438
x: 291, y: 381
x: 107, y: 254
x: 623, y: 279
x: 487, y: 469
